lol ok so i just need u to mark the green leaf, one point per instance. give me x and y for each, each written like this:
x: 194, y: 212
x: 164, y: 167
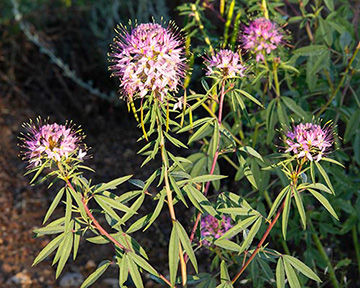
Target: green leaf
x: 240, y: 226
x: 54, y: 204
x: 185, y: 242
x: 173, y: 254
x: 281, y: 112
x: 124, y: 269
x: 249, y: 96
x: 326, y: 177
x: 112, y: 184
x: 286, y: 212
x: 280, y: 274
x: 242, y: 211
x: 76, y: 196
x: 214, y: 143
x: 251, y: 151
x: 317, y: 186
x: 224, y: 274
x: 134, y: 273
x: 115, y: 204
x: 324, y: 202
x: 143, y: 263
x: 296, y: 263
x: 291, y: 275
x: 64, y: 250
x: 227, y: 244
x: 134, y: 207
x: 177, y: 190
x: 108, y: 210
x: 96, y: 274
x: 203, y: 201
x: 174, y: 141
x: 291, y: 104
x: 278, y: 201
x: 77, y: 235
x: 49, y: 229
x: 329, y: 4
x: 206, y: 178
x: 68, y: 210
x: 300, y: 207
x: 250, y: 236
x: 139, y: 224
x: 313, y: 50
x: 48, y: 249
x: 202, y: 132
x: 157, y: 210
x: 271, y: 120
x: 332, y: 160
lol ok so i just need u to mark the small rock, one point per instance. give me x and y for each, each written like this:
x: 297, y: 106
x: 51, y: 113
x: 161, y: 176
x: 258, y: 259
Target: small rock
x: 22, y: 278
x: 90, y: 265
x: 71, y: 279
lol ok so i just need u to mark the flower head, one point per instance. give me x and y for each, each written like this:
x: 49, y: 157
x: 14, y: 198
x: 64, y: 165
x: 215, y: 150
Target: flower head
x: 148, y: 59
x: 260, y: 37
x: 212, y: 228
x: 51, y: 142
x: 226, y: 63
x: 309, y: 140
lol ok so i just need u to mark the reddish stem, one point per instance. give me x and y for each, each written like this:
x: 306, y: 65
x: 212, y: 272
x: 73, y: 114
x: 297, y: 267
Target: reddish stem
x: 104, y: 232
x: 258, y: 247
x: 213, y: 165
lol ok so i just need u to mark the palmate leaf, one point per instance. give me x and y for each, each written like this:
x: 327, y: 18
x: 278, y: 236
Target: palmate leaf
x: 296, y: 263
x: 100, y: 270
x: 291, y: 275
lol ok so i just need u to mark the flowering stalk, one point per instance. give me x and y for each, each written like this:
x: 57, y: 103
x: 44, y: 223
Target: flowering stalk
x: 213, y: 165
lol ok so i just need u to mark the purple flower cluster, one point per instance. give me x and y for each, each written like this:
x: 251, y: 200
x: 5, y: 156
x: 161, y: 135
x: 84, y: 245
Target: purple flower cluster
x: 148, y: 60
x: 261, y: 36
x: 309, y: 140
x: 212, y: 228
x: 226, y: 63
x: 51, y: 141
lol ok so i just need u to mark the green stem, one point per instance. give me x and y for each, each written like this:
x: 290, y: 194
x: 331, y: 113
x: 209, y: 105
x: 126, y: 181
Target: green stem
x: 170, y: 201
x: 323, y: 254
x: 276, y: 79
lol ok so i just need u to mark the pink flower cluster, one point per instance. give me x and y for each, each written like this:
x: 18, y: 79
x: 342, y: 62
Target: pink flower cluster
x: 212, y: 228
x: 148, y: 60
x: 309, y: 140
x: 261, y: 36
x: 226, y: 63
x: 51, y: 141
